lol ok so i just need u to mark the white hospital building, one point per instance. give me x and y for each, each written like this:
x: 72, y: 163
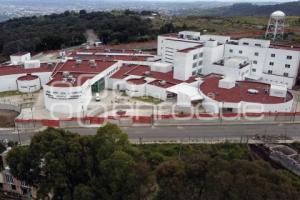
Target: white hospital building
x: 245, y: 75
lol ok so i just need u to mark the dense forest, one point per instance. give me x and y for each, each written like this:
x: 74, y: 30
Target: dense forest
x: 57, y: 31
x: 106, y: 166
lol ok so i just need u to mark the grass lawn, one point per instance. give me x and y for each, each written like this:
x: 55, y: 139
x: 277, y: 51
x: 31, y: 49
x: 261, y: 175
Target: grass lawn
x: 10, y: 93
x: 148, y: 99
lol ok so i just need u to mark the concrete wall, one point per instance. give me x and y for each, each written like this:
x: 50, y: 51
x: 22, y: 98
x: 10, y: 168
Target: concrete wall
x: 26, y: 86
x: 134, y: 90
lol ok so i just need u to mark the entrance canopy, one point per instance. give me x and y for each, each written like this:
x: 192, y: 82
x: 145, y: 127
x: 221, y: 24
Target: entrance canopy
x: 185, y: 94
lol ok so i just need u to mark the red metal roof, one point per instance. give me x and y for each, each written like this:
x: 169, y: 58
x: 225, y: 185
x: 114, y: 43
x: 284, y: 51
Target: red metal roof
x: 81, y: 72
x: 190, y: 49
x: 145, y: 71
x: 111, y: 57
x: 137, y: 81
x: 28, y: 77
x: 240, y: 92
x: 20, y: 54
x: 159, y: 84
x: 18, y: 69
x: 284, y: 46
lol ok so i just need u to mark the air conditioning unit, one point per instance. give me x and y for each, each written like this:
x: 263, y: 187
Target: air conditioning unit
x: 162, y: 82
x: 66, y: 74
x: 92, y: 63
x: 147, y: 73
x: 78, y: 62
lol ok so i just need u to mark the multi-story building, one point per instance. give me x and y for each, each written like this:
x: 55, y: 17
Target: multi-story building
x: 268, y: 63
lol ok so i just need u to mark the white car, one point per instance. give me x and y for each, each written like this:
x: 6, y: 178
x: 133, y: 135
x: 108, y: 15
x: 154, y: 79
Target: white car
x: 97, y: 97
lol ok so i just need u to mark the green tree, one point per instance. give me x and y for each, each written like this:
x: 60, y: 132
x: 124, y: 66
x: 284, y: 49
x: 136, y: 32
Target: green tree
x: 70, y: 166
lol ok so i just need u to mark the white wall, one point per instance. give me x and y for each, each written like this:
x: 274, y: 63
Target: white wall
x: 212, y: 54
x: 167, y: 48
x: 156, y: 92
x: 261, y: 62
x: 16, y: 60
x: 134, y: 90
x: 9, y: 82
x: 212, y: 106
x: 185, y: 65
x: 58, y: 99
x: 29, y: 85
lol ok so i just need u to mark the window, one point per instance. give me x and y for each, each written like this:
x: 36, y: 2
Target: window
x: 289, y: 57
x: 270, y: 72
x: 287, y: 66
x: 254, y: 61
x: 194, y: 73
x: 195, y: 57
x: 258, y: 45
x: 230, y: 50
x: 9, y: 178
x: 200, y: 55
x: 271, y: 63
x: 13, y: 187
x: 194, y: 65
x: 199, y: 71
x: 285, y: 74
x: 256, y: 54
x: 253, y: 70
x: 200, y: 62
x: 245, y: 43
x: 273, y: 55
x: 240, y: 51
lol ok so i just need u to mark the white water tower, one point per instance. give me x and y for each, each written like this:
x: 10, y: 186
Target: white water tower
x: 275, y: 29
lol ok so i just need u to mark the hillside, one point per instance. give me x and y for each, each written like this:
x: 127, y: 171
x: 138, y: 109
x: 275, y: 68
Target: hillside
x: 248, y: 9
x: 56, y: 31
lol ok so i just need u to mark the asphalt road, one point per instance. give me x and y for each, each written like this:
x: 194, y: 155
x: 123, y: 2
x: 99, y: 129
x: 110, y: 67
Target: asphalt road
x: 184, y: 132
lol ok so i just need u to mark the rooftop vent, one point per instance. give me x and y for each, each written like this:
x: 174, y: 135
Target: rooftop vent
x: 78, y: 62
x: 50, y: 64
x: 253, y: 91
x: 66, y: 74
x: 162, y: 82
x: 147, y: 73
x: 92, y: 63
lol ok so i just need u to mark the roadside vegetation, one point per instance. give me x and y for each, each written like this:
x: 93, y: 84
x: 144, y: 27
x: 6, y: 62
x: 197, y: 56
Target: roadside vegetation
x: 106, y: 166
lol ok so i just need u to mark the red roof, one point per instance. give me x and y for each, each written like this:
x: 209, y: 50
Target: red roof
x: 17, y: 69
x: 240, y: 92
x: 28, y: 77
x: 284, y: 46
x: 183, y: 40
x: 111, y: 57
x: 137, y: 81
x: 81, y: 72
x: 159, y: 84
x: 20, y: 54
x: 145, y: 71
x: 190, y: 49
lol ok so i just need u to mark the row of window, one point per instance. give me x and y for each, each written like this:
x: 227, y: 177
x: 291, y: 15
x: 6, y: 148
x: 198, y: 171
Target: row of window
x: 256, y: 44
x: 284, y: 74
x: 195, y: 64
x: 196, y: 56
x: 272, y: 64
x: 257, y: 54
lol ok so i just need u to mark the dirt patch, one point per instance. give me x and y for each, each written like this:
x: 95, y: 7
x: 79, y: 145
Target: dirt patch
x: 7, y: 118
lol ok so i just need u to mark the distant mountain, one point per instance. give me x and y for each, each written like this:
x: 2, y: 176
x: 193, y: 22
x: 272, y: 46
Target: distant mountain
x: 249, y: 9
